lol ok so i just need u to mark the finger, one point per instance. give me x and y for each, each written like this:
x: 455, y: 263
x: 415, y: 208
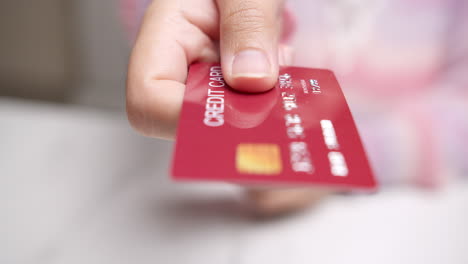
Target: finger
x: 273, y: 202
x: 249, y: 35
x: 166, y: 45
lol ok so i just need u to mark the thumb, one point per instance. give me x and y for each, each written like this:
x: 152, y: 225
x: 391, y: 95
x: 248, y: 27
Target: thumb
x: 249, y: 35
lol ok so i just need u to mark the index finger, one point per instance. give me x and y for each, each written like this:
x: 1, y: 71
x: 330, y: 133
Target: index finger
x: 166, y: 45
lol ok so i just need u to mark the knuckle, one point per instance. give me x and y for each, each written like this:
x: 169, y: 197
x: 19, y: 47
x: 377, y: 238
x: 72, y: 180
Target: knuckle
x: 136, y: 113
x: 137, y: 120
x: 149, y: 111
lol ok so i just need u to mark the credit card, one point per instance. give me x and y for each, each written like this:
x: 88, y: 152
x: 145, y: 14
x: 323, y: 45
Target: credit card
x: 299, y: 133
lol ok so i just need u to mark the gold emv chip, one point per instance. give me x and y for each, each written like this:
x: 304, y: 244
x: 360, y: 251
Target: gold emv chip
x: 258, y: 158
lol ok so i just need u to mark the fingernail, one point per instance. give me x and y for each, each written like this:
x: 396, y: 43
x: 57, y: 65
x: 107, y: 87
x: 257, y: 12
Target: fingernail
x: 251, y: 63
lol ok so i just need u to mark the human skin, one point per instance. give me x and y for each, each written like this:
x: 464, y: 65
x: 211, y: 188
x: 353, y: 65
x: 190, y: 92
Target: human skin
x: 246, y: 36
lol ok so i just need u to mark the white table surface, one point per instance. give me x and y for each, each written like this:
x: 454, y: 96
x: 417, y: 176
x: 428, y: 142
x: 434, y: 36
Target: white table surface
x: 79, y: 186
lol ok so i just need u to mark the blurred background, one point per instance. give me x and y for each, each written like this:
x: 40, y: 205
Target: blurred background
x: 79, y: 186
x: 64, y: 51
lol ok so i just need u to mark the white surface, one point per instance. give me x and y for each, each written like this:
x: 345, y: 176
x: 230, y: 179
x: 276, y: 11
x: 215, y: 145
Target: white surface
x: 81, y: 187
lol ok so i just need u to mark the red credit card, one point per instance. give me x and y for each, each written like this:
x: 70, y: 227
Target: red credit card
x: 301, y: 132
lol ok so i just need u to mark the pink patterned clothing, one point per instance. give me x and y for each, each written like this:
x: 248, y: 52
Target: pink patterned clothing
x: 403, y: 65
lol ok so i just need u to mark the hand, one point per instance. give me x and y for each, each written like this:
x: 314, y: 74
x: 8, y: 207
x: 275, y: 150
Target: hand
x: 176, y: 33
x: 244, y: 35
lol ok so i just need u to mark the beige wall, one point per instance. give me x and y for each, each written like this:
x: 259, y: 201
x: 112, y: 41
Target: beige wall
x: 34, y: 48
x: 63, y: 50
